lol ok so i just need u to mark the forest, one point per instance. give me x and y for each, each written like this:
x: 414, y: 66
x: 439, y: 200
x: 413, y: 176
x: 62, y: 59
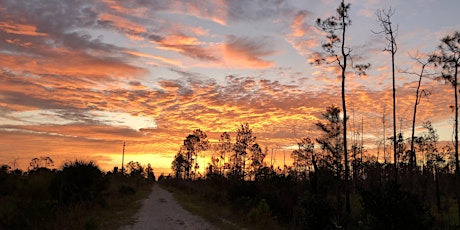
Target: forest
x: 333, y: 182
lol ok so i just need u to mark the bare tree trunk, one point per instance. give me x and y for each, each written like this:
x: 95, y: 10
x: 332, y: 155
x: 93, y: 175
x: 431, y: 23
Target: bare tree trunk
x: 394, y: 114
x: 315, y: 175
x: 456, y: 120
x: 344, y: 107
x: 413, y: 157
x: 438, y: 195
x: 457, y: 179
x: 417, y: 102
x: 384, y: 17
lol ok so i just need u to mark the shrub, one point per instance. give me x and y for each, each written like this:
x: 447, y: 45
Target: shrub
x: 79, y: 182
x: 261, y: 215
x: 393, y: 208
x: 314, y: 212
x: 125, y: 189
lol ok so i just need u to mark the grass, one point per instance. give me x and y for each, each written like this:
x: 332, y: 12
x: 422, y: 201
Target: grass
x: 121, y: 210
x: 448, y: 215
x: 219, y: 215
x: 118, y: 211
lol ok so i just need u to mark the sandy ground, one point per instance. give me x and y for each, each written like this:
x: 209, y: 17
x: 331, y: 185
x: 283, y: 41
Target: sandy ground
x: 161, y: 211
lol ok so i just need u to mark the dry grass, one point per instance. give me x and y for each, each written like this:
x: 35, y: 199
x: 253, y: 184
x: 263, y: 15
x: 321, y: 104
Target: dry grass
x: 121, y: 210
x: 218, y: 215
x: 118, y: 211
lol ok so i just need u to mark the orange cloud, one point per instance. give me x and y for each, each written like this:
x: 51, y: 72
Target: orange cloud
x: 304, y: 35
x: 19, y: 29
x: 160, y: 58
x: 123, y: 24
x: 248, y: 53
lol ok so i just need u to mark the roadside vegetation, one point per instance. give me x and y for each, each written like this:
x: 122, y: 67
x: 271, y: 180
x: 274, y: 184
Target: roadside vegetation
x: 77, y: 196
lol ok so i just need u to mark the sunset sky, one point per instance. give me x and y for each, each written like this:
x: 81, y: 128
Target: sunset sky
x: 80, y: 77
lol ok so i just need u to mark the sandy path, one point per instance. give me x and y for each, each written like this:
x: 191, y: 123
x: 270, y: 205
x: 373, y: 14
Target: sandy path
x: 161, y: 211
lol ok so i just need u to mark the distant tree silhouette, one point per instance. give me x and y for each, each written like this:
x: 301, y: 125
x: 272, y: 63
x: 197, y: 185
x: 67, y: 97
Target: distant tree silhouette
x: 299, y: 157
x: 186, y: 159
x: 419, y: 93
x: 179, y: 165
x: 35, y: 163
x: 42, y: 162
x: 47, y: 162
x: 243, y: 143
x: 256, y: 158
x: 339, y: 23
x: 225, y: 146
x: 148, y: 172
x: 435, y: 160
x: 401, y: 149
x: 201, y: 145
x: 190, y: 144
x: 448, y: 58
x: 135, y: 169
x: 304, y: 156
x: 331, y: 140
x: 384, y: 17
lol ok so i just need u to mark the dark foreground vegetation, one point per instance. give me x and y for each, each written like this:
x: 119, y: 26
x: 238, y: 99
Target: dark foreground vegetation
x: 77, y: 196
x: 241, y: 187
x: 286, y: 201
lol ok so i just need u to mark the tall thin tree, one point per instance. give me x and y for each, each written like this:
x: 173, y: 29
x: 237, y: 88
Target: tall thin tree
x: 419, y: 93
x: 384, y: 17
x: 448, y: 58
x: 331, y: 25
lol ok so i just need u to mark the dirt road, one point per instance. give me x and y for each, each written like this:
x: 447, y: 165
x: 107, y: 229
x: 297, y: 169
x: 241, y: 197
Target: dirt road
x: 161, y: 211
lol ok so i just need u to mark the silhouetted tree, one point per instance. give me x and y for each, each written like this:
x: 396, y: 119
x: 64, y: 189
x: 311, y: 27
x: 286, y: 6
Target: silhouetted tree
x: 418, y: 96
x: 340, y: 22
x: 257, y: 158
x: 35, y: 163
x: 201, y: 145
x: 299, y: 158
x: 225, y: 146
x: 304, y: 156
x: 189, y: 144
x: 135, y: 169
x: 435, y: 160
x: 448, y: 58
x: 47, y: 162
x: 331, y: 141
x: 179, y: 165
x: 243, y: 143
x: 148, y: 172
x: 42, y: 162
x: 384, y: 17
x: 193, y: 144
